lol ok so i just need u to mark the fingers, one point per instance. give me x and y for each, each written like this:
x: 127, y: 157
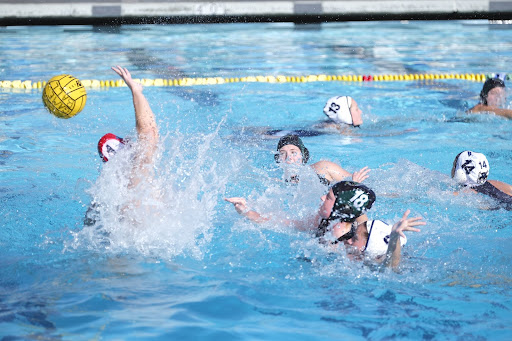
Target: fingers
x: 117, y: 70
x: 361, y: 174
x: 406, y: 214
x: 122, y: 71
x: 415, y: 221
x: 407, y: 224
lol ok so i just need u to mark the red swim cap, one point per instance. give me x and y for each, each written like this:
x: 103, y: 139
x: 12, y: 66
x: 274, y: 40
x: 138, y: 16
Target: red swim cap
x: 108, y: 146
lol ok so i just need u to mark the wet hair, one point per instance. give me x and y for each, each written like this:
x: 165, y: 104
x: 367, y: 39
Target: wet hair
x: 490, y: 84
x: 454, y: 167
x: 294, y: 140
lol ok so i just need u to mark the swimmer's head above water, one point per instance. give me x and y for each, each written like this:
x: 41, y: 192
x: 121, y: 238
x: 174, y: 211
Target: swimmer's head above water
x: 470, y: 169
x: 108, y: 146
x: 291, y: 150
x: 343, y: 109
x: 344, y: 203
x: 346, y: 200
x: 493, y: 93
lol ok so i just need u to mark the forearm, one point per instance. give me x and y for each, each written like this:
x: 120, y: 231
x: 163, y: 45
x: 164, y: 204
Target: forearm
x: 394, y: 252
x: 255, y: 217
x: 503, y: 112
x: 144, y: 117
x: 498, y: 111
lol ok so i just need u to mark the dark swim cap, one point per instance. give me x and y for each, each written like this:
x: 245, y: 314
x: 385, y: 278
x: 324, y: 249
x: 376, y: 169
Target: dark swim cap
x: 490, y: 84
x: 352, y: 200
x: 295, y: 141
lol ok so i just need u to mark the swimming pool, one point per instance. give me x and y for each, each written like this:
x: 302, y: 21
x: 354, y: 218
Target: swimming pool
x: 194, y: 269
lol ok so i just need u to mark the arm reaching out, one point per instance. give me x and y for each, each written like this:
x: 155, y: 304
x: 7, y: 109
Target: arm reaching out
x: 145, y: 122
x: 486, y: 108
x: 147, y: 129
x: 394, y: 252
x: 242, y: 209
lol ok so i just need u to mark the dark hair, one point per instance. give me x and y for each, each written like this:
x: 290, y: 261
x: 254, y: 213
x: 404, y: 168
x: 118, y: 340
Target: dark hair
x: 295, y: 141
x: 490, y: 84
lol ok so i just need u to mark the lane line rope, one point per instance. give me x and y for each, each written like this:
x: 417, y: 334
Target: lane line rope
x: 159, y: 82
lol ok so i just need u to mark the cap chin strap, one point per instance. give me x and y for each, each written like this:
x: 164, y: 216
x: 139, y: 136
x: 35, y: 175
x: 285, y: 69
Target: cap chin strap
x: 349, y: 235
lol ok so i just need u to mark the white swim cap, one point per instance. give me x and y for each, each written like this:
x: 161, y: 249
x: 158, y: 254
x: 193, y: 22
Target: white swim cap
x: 471, y: 169
x: 338, y: 109
x: 378, y: 238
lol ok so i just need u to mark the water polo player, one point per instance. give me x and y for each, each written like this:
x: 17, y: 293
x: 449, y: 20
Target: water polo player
x: 471, y: 171
x: 343, y: 204
x: 493, y: 98
x: 145, y: 124
x: 337, y: 222
x: 291, y: 150
x: 147, y: 138
x: 343, y: 110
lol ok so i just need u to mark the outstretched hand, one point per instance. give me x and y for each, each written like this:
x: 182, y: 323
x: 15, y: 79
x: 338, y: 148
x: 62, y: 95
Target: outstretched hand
x: 407, y: 224
x: 127, y: 77
x: 239, y: 203
x: 361, y: 174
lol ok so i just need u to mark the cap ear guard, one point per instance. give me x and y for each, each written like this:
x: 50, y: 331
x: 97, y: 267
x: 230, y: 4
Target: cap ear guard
x: 108, y: 146
x: 305, y: 156
x: 338, y: 109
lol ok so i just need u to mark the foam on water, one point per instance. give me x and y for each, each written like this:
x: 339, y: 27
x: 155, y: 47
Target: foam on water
x: 170, y: 212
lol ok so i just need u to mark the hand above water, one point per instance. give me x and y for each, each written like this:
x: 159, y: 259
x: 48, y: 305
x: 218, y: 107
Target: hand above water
x: 127, y: 77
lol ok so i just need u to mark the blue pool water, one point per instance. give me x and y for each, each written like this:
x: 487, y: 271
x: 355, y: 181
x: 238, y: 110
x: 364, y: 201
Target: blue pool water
x: 183, y: 265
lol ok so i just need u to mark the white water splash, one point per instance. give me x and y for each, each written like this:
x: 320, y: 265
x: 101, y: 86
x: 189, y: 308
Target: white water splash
x: 171, y: 212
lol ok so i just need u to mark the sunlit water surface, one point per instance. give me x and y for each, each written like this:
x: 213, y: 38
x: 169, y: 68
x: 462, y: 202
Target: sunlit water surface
x: 180, y: 263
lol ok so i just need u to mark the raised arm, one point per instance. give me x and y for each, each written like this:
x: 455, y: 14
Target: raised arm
x: 394, y: 252
x: 147, y: 129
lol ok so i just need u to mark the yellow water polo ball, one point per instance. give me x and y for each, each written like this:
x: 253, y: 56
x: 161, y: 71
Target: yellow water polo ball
x: 64, y: 96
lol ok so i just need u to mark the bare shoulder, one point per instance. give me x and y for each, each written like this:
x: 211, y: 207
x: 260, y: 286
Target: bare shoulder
x: 502, y: 186
x: 331, y: 171
x: 478, y: 108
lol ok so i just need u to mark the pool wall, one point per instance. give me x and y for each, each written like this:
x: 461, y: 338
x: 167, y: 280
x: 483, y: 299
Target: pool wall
x: 36, y: 12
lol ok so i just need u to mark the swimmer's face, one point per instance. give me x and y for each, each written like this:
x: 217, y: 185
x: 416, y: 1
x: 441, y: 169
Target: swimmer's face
x: 290, y: 154
x: 356, y: 113
x: 496, y: 97
x: 328, y: 204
